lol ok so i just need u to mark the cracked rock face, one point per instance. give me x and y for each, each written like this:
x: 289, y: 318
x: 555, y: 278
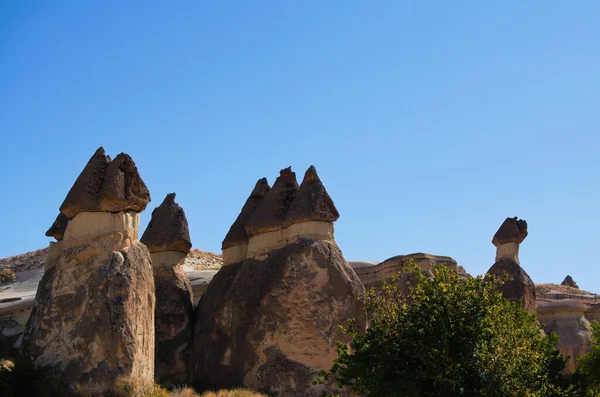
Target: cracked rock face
x: 271, y: 324
x: 94, y: 316
x: 109, y: 186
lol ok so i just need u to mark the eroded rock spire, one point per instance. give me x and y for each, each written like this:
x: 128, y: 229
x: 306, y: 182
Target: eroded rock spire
x: 168, y: 228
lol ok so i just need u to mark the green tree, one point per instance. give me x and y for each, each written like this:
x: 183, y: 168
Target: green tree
x: 589, y: 364
x: 447, y: 337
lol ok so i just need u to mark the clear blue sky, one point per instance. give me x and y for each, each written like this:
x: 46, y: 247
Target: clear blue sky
x: 429, y: 122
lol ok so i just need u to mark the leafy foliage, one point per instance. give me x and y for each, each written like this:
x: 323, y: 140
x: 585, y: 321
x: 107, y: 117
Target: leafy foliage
x: 589, y: 364
x: 447, y: 337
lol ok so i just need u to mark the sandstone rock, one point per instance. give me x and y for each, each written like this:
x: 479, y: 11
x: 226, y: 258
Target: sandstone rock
x: 173, y: 318
x: 270, y: 215
x: 94, y: 316
x: 312, y: 202
x: 168, y: 228
x: 168, y: 240
x: 107, y: 186
x: 57, y: 230
x: 568, y: 281
x: 373, y: 276
x: 271, y: 325
x: 235, y: 243
x: 567, y: 317
x: 517, y: 286
x: 513, y: 230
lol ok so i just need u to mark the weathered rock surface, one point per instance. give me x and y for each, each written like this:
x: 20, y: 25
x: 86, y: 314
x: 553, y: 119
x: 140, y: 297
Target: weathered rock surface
x: 570, y: 319
x: 373, y: 275
x: 168, y: 228
x: 57, y: 230
x: 109, y: 186
x: 312, y: 202
x: 272, y: 211
x: 513, y: 230
x: 237, y: 232
x: 94, y: 318
x: 168, y: 239
x: 517, y: 286
x: 271, y: 325
x: 173, y: 318
x: 568, y: 281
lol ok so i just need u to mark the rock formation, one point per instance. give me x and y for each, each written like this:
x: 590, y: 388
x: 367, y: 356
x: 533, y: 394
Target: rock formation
x: 274, y: 217
x: 168, y: 240
x: 271, y: 324
x: 517, y: 285
x: 57, y: 230
x: 570, y: 319
x: 94, y: 316
x: 569, y: 282
x: 374, y: 275
x: 235, y: 244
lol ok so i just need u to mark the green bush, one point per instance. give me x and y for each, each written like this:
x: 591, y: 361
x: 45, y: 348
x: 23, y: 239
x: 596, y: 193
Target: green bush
x: 589, y: 364
x: 7, y: 275
x: 448, y: 337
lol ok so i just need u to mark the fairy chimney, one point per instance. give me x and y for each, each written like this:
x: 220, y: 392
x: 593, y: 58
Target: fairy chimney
x: 235, y: 243
x: 508, y: 237
x: 168, y: 240
x: 98, y: 279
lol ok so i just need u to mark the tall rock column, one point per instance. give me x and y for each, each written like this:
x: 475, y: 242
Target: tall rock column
x: 93, y: 322
x: 168, y: 240
x: 517, y: 286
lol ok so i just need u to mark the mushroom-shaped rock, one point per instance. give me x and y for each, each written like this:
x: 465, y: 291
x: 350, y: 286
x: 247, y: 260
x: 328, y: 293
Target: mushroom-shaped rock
x: 168, y: 228
x: 168, y: 240
x: 105, y: 186
x: 237, y: 232
x: 57, y: 230
x: 272, y: 211
x: 513, y: 230
x: 568, y: 281
x: 312, y: 202
x: 517, y: 285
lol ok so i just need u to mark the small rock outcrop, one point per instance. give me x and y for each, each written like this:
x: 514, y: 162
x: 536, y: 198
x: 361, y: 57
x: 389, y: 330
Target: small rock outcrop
x: 235, y: 244
x: 274, y: 217
x: 272, y: 324
x: 93, y: 320
x: 517, y: 285
x: 569, y: 282
x: 168, y: 240
x: 57, y: 230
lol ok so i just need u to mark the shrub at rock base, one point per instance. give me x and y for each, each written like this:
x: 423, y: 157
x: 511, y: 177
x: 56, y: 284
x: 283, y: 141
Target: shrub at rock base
x: 448, y: 337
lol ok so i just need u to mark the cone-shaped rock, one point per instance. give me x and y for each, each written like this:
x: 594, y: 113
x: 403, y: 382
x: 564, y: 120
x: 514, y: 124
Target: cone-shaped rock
x: 57, y: 230
x: 107, y: 186
x: 272, y: 211
x: 312, y: 202
x: 237, y: 232
x: 168, y: 228
x: 517, y: 286
x: 513, y: 230
x: 569, y: 282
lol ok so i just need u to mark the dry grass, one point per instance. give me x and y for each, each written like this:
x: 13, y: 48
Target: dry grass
x: 189, y: 392
x: 7, y: 275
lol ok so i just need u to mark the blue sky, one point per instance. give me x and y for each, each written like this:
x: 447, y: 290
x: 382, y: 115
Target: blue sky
x: 429, y: 122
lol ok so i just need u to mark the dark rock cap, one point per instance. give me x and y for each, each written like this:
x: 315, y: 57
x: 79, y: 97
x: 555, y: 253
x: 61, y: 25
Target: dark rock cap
x: 168, y: 228
x: 57, y: 230
x: 513, y: 230
x: 312, y: 202
x: 105, y: 186
x: 270, y: 214
x: 568, y: 281
x: 237, y: 232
